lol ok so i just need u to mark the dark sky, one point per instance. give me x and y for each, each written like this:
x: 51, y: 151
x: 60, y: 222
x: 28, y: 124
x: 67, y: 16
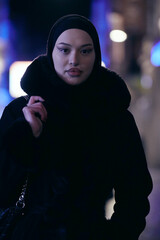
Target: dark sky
x: 32, y: 20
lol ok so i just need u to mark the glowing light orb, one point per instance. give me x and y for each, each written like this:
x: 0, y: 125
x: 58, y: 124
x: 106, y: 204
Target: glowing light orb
x: 16, y: 72
x: 118, y: 36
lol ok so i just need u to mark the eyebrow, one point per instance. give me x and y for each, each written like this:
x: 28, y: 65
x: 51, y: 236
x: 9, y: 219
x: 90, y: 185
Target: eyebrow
x: 69, y: 45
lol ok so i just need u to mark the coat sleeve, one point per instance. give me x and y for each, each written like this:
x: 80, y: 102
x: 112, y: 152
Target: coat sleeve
x: 16, y: 151
x: 132, y: 183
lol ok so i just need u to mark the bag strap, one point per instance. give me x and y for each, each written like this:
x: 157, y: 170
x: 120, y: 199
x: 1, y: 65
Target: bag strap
x: 20, y: 204
x: 21, y: 201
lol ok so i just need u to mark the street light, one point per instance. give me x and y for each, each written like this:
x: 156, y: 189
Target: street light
x: 118, y: 36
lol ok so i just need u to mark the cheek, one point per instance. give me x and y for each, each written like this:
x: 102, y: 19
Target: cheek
x: 57, y: 62
x: 56, y: 59
x: 90, y: 65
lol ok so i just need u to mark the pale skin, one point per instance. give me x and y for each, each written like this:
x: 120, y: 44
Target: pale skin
x: 35, y: 114
x: 73, y: 58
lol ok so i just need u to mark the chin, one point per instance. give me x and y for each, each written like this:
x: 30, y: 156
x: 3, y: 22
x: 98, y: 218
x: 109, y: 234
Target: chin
x: 74, y: 81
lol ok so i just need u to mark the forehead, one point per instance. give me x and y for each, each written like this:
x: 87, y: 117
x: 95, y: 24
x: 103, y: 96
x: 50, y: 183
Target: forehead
x: 75, y: 35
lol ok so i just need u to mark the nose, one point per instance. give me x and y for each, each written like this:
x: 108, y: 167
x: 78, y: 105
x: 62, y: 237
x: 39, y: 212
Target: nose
x: 74, y: 59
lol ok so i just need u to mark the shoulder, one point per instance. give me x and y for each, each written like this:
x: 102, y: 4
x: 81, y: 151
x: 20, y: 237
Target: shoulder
x: 127, y: 127
x: 115, y: 88
x: 111, y: 79
x: 11, y: 113
x: 16, y: 105
x: 125, y: 119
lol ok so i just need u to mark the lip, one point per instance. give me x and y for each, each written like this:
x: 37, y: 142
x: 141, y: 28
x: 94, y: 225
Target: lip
x: 74, y: 72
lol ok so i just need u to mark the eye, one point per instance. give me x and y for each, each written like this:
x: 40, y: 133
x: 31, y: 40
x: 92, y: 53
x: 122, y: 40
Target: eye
x: 64, y: 50
x: 86, y: 51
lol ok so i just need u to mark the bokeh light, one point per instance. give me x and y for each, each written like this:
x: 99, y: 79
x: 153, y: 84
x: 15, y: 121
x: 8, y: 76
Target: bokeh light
x: 118, y: 36
x: 16, y: 72
x: 155, y: 54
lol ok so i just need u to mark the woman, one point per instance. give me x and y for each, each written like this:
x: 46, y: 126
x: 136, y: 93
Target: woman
x: 78, y: 141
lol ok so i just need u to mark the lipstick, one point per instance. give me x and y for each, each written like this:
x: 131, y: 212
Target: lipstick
x: 74, y: 72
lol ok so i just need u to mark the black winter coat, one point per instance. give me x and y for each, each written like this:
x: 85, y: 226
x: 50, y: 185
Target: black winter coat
x: 90, y: 145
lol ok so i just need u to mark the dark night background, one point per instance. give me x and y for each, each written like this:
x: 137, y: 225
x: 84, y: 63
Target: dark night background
x: 32, y: 20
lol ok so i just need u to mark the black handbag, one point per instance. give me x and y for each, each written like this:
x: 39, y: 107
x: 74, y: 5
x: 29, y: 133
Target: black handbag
x: 10, y: 215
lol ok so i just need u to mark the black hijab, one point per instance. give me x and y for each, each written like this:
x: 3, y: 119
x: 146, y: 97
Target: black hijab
x: 69, y: 22
x: 41, y: 78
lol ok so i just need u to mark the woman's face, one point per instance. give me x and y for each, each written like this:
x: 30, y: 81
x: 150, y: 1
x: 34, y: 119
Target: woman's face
x: 73, y: 56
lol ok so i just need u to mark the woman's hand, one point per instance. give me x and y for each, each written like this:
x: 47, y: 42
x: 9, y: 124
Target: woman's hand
x: 35, y: 114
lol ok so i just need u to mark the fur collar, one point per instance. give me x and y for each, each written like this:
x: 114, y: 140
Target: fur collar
x: 105, y: 89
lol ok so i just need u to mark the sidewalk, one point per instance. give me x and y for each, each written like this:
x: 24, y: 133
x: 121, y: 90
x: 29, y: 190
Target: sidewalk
x: 152, y: 230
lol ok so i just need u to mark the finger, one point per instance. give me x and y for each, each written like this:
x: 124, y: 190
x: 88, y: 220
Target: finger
x: 38, y: 110
x: 29, y: 114
x: 34, y: 99
x: 35, y: 123
x: 41, y: 110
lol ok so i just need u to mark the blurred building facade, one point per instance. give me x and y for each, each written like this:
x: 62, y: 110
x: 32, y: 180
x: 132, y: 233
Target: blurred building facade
x: 140, y: 19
